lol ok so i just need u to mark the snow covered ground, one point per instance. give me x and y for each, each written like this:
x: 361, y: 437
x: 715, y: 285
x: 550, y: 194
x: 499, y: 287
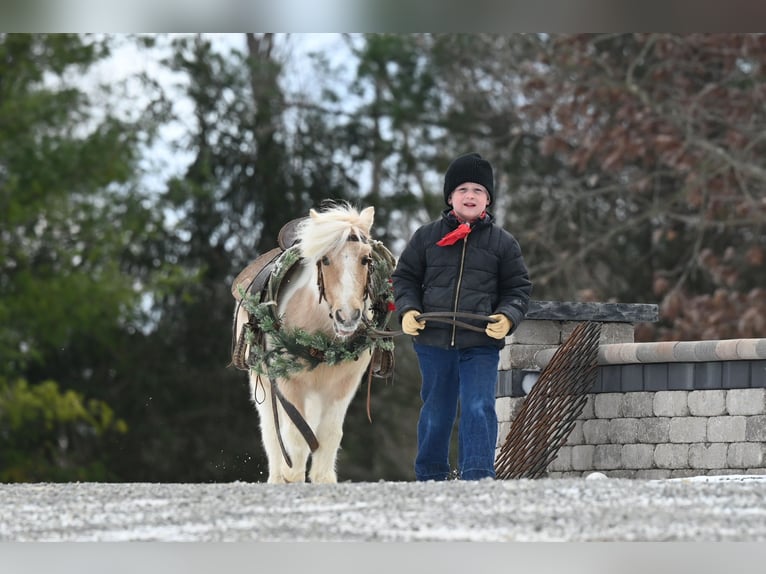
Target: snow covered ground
x: 731, y: 508
x: 462, y: 527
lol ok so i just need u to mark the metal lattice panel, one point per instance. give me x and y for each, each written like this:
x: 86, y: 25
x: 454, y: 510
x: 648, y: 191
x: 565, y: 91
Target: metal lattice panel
x: 550, y: 410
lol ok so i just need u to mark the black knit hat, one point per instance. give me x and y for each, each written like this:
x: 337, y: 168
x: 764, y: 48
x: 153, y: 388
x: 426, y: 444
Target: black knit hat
x: 469, y: 167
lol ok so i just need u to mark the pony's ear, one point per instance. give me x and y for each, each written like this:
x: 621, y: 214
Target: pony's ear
x: 313, y: 213
x: 367, y: 215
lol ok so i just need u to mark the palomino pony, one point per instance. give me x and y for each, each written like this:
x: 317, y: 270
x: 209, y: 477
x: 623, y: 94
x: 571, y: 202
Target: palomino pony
x: 313, y: 354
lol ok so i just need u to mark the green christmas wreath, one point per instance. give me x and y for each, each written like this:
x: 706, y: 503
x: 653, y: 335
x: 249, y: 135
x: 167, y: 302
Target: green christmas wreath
x: 291, y: 349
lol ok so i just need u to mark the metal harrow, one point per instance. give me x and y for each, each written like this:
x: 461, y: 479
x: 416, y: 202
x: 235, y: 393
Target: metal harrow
x: 550, y: 410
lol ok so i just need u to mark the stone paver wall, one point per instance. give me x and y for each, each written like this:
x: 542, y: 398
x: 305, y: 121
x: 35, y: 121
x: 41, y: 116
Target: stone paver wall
x: 658, y: 410
x: 664, y: 434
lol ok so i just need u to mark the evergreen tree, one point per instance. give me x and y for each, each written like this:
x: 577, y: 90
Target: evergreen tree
x: 75, y: 233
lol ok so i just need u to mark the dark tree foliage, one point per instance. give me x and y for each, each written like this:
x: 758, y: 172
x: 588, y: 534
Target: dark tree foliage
x: 73, y: 254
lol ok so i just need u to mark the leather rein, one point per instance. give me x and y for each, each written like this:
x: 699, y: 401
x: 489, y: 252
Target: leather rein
x: 450, y: 317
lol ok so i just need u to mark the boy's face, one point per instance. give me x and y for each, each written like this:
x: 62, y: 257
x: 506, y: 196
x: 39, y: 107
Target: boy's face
x: 469, y: 200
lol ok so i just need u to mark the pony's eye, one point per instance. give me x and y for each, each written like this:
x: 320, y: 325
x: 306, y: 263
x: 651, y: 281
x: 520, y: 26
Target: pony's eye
x: 366, y: 260
x: 325, y: 260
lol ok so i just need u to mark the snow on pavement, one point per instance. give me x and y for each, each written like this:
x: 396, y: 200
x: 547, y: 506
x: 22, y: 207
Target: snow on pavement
x: 728, y: 508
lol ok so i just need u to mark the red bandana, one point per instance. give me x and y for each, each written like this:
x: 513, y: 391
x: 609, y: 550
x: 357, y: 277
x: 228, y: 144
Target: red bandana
x: 456, y: 234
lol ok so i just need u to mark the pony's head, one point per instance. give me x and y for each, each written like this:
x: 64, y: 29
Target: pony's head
x: 337, y: 241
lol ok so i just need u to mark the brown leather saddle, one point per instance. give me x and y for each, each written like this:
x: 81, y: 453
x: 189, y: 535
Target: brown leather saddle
x: 255, y: 277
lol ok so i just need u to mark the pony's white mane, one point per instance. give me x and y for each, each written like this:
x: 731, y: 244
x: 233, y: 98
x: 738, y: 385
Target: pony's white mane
x: 328, y: 230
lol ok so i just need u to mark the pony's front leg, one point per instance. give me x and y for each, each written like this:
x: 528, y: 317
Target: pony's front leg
x: 329, y: 434
x: 323, y: 462
x: 271, y: 445
x: 298, y: 450
x: 279, y: 471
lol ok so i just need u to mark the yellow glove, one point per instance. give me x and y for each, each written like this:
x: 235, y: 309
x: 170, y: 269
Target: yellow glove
x: 500, y: 328
x: 410, y: 325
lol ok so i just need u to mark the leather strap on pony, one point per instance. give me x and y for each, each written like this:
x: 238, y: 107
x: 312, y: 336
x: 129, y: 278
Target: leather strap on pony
x: 295, y: 416
x: 324, y: 261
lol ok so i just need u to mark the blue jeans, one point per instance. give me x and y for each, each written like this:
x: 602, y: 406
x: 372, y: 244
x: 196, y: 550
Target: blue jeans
x: 467, y: 377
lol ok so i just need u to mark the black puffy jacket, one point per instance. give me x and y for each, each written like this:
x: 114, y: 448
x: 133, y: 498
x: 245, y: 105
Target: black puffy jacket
x: 483, y: 273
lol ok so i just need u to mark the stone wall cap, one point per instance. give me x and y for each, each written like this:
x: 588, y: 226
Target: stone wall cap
x: 590, y: 311
x: 673, y: 352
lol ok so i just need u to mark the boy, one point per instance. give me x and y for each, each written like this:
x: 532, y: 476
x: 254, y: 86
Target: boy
x: 462, y: 262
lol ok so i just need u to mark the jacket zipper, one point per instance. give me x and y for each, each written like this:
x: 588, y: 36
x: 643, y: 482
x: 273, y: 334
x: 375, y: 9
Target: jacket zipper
x: 457, y: 292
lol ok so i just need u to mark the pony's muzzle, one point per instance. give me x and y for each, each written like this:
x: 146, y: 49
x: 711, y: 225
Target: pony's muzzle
x: 346, y: 325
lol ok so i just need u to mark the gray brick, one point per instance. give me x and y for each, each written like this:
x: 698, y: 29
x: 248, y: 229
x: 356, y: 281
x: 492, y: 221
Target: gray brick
x: 671, y: 456
x: 612, y: 333
x: 707, y: 375
x: 623, y: 431
x: 503, y: 407
x: 611, y: 376
x: 746, y: 401
x: 758, y: 374
x: 683, y: 473
x: 638, y: 405
x: 587, y: 411
x: 596, y: 431
x: 608, y: 405
x: 504, y: 385
x: 566, y: 329
x: 656, y: 377
x: 520, y: 356
x: 598, y: 383
x: 688, y: 429
x: 632, y: 378
x: 502, y: 433
x: 707, y: 403
x: 582, y: 457
x: 607, y: 456
x: 652, y: 474
x: 638, y: 456
x: 621, y: 473
x: 654, y: 430
x: 755, y: 428
x: 576, y: 435
x: 721, y: 471
x: 708, y: 455
x: 505, y: 359
x: 681, y: 376
x: 745, y: 454
x: 563, y: 460
x: 726, y: 429
x: 671, y: 404
x: 735, y: 374
x: 533, y: 332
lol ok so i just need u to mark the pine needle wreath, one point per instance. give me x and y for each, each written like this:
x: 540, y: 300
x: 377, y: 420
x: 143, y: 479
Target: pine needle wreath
x: 291, y: 350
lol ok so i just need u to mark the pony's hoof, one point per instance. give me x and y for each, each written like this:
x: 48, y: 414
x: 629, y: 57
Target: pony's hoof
x: 324, y: 478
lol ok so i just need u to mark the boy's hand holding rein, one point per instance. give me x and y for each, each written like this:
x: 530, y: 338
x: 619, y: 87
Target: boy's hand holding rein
x: 500, y: 327
x: 410, y: 325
